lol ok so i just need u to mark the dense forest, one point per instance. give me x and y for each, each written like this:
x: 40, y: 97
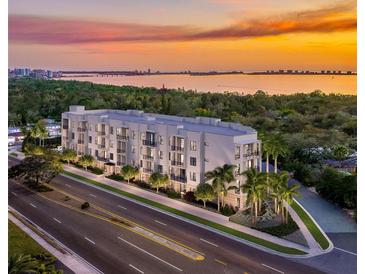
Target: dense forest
x: 305, y: 121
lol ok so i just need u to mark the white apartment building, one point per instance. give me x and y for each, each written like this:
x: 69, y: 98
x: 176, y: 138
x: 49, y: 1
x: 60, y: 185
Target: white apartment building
x: 185, y: 148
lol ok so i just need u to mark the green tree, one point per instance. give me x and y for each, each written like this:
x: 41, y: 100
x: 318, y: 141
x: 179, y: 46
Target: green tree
x: 41, y: 131
x: 22, y: 264
x: 86, y: 160
x: 288, y: 194
x: 69, y: 155
x: 278, y: 148
x: 340, y: 152
x: 204, y: 192
x: 158, y: 180
x: 128, y: 172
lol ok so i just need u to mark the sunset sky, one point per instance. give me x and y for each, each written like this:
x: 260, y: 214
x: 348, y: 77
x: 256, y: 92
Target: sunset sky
x: 183, y: 34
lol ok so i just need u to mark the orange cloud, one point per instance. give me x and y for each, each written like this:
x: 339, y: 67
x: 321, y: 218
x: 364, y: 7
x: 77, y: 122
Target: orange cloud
x: 45, y: 30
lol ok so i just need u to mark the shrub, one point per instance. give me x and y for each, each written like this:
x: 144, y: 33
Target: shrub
x: 85, y: 205
x: 173, y: 194
x: 115, y: 177
x: 190, y: 197
x: 96, y: 170
x: 143, y: 184
x: 227, y: 210
x: 282, y: 229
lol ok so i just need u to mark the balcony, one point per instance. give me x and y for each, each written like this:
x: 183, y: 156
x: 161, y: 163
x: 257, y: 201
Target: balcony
x: 80, y: 142
x: 147, y: 170
x: 102, y: 159
x: 101, y: 133
x: 122, y: 138
x: 101, y: 146
x: 119, y: 163
x: 149, y: 143
x: 79, y: 129
x: 121, y: 150
x: 148, y: 157
x: 178, y: 178
x: 177, y: 163
x: 250, y: 153
x: 177, y: 148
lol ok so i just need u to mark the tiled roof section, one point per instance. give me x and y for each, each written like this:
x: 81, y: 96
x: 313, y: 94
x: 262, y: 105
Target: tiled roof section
x: 198, y: 124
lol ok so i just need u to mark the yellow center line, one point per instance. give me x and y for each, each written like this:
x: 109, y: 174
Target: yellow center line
x: 220, y: 262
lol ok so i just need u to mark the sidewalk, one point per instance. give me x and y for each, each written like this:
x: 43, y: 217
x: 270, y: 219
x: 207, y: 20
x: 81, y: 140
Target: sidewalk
x: 313, y: 249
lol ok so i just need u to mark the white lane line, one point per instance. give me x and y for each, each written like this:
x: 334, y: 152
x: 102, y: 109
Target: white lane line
x: 132, y: 266
x: 67, y: 185
x: 16, y: 195
x: 92, y: 195
x: 161, y: 223
x: 32, y: 205
x: 122, y: 207
x: 343, y: 250
x: 87, y: 239
x: 279, y: 271
x: 58, y: 221
x: 144, y: 251
x: 205, y: 241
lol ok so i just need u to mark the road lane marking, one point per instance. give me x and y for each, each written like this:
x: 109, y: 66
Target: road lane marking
x: 92, y: 195
x: 144, y: 251
x: 282, y: 272
x: 58, y: 221
x: 32, y: 205
x: 343, y: 250
x: 220, y: 262
x: 161, y: 223
x: 205, y: 241
x: 122, y: 207
x: 87, y: 239
x: 16, y: 195
x: 67, y: 185
x: 132, y: 266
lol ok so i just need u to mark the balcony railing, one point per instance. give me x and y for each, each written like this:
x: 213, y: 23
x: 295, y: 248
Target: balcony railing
x: 122, y: 137
x: 102, y: 159
x: 149, y: 143
x: 251, y: 153
x: 147, y: 170
x: 79, y: 129
x: 100, y: 146
x: 101, y: 133
x: 148, y: 157
x: 119, y: 163
x: 121, y: 150
x: 177, y: 163
x: 178, y: 178
x: 80, y: 142
x: 177, y: 148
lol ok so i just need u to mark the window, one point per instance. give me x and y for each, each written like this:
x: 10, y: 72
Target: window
x: 160, y: 169
x: 160, y: 140
x: 193, y: 145
x: 237, y: 152
x: 111, y: 156
x: 193, y: 176
x: 90, y: 139
x: 192, y: 161
x: 160, y: 154
x: 133, y: 149
x: 96, y: 153
x: 133, y: 135
x: 111, y: 144
x: 206, y: 144
x: 111, y: 130
x: 72, y: 135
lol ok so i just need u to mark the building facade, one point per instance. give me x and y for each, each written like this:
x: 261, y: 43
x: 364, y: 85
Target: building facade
x: 184, y: 148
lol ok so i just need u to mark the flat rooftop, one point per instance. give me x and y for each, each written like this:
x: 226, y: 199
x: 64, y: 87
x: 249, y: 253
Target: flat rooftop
x: 197, y: 124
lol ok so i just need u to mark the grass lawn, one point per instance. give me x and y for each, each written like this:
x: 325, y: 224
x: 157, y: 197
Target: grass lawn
x: 312, y: 227
x: 20, y: 243
x: 256, y: 240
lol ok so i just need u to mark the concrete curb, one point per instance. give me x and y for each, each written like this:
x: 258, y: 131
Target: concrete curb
x: 232, y: 237
x: 68, y: 257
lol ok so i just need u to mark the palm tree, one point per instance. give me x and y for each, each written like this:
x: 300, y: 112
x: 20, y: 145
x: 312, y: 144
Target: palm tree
x: 217, y: 182
x: 204, y: 192
x: 34, y: 133
x: 42, y: 131
x: 254, y: 188
x: 128, y: 172
x: 22, y: 264
x: 227, y: 172
x: 288, y: 194
x: 278, y: 148
x: 158, y: 180
x: 69, y: 155
x: 278, y: 183
x: 86, y: 160
x: 267, y: 150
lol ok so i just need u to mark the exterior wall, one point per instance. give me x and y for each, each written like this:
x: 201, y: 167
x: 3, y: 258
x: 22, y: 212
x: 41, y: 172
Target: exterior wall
x: 94, y: 133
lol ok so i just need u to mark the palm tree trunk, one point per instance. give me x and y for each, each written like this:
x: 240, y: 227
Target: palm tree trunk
x: 156, y: 189
x: 267, y: 163
x: 286, y: 216
x: 276, y: 164
x: 204, y: 203
x: 275, y: 205
x: 219, y: 207
x: 260, y: 205
x: 128, y: 181
x: 256, y: 213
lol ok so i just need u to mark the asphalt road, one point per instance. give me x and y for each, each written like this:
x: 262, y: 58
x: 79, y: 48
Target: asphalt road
x: 116, y: 250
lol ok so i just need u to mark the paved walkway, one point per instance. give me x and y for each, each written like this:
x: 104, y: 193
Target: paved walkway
x: 203, y: 213
x: 331, y: 218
